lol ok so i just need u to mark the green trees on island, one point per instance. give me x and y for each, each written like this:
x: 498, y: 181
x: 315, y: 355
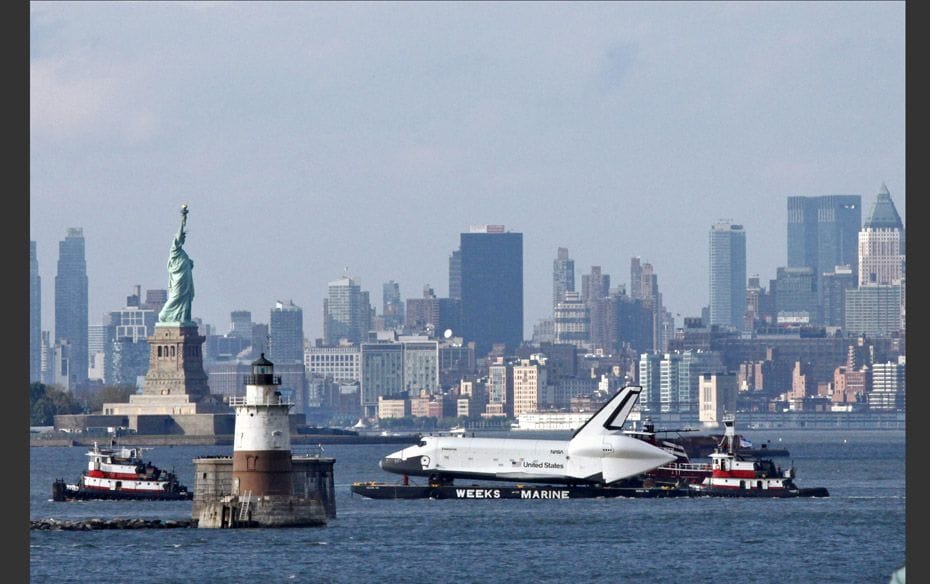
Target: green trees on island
x: 48, y: 401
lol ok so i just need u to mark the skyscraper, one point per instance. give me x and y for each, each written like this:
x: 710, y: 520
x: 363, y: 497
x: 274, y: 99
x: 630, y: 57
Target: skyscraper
x: 822, y: 232
x: 455, y: 274
x: 727, y: 274
x: 881, y: 244
x: 563, y: 276
x: 241, y: 324
x: 492, y: 287
x: 392, y: 307
x: 346, y: 312
x: 35, y: 316
x: 287, y: 333
x: 71, y: 303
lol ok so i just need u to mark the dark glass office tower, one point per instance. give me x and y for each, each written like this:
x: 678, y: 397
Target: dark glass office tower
x: 492, y: 287
x: 71, y: 302
x: 823, y: 232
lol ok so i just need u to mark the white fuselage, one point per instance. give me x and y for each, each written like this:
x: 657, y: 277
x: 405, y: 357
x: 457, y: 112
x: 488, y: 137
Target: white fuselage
x: 593, y: 459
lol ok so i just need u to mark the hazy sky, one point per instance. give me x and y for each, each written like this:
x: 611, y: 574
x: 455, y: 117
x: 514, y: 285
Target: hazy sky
x: 313, y: 138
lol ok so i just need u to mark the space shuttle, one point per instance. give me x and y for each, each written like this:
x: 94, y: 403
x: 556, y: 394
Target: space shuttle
x: 598, y: 453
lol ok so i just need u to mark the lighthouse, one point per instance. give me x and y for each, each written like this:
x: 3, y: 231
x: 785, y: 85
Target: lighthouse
x: 263, y: 485
x: 262, y: 443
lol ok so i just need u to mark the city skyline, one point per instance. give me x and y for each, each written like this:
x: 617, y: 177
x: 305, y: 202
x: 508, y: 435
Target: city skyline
x: 612, y: 130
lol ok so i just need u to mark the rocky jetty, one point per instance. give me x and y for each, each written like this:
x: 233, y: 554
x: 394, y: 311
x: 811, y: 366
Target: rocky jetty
x: 124, y: 523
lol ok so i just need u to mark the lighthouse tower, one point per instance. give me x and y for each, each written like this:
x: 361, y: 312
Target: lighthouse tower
x: 262, y: 443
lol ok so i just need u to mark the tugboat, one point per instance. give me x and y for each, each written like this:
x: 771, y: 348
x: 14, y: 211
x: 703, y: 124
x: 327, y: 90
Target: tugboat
x: 679, y: 472
x: 734, y: 475
x: 120, y: 473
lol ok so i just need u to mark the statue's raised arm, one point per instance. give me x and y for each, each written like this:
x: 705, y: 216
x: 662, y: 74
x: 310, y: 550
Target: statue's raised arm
x: 177, y: 308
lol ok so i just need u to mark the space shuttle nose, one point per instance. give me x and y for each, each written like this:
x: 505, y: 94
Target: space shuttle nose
x: 400, y: 465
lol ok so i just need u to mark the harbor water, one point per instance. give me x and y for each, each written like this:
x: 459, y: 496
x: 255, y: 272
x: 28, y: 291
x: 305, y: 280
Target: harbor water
x: 857, y: 534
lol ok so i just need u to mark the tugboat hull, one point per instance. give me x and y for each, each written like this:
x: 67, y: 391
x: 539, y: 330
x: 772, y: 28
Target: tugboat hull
x: 65, y: 492
x: 703, y: 491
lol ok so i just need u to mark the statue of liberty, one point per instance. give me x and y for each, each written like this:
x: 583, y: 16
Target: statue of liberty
x: 177, y: 308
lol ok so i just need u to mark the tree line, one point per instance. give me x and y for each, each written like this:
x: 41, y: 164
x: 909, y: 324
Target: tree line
x: 48, y: 401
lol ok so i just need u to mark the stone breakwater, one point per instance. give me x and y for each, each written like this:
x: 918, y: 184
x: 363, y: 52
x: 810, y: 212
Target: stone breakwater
x: 93, y: 524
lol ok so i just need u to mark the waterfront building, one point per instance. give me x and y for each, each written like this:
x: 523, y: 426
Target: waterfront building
x: 563, y: 276
x: 888, y: 386
x: 421, y: 365
x: 727, y: 274
x: 71, y: 304
x: 35, y: 316
x: 342, y: 364
x: 823, y: 232
x: 398, y: 407
x: 382, y: 374
x: 492, y: 287
x: 428, y: 405
x: 346, y: 312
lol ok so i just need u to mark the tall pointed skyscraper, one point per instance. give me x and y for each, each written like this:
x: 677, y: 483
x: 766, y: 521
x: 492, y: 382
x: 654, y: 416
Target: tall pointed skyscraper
x: 877, y: 307
x: 881, y: 244
x: 71, y: 304
x: 35, y: 316
x: 727, y: 274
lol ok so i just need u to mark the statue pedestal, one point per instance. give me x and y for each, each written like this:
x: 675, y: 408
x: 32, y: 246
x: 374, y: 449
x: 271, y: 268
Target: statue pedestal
x: 176, y: 383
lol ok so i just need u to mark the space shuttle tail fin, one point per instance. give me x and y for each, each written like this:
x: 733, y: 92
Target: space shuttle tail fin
x: 612, y: 415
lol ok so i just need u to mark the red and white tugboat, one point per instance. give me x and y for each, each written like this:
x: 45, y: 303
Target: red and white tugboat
x: 680, y: 471
x: 733, y: 475
x: 120, y: 473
